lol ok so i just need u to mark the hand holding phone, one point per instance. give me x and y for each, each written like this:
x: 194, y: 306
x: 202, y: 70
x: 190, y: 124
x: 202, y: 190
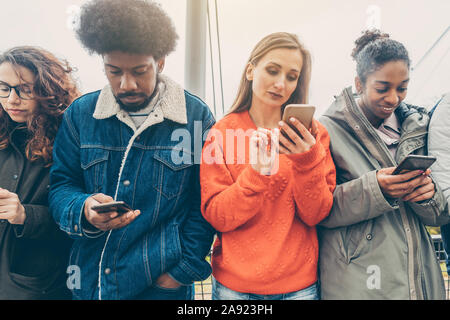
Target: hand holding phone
x: 303, y: 112
x: 298, y: 130
x: 119, y: 206
x: 408, y: 181
x: 103, y: 213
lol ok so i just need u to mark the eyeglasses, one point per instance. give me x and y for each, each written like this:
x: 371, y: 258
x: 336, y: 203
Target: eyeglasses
x: 24, y: 91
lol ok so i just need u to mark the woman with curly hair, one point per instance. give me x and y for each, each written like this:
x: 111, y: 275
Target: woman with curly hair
x: 35, y: 89
x: 374, y: 244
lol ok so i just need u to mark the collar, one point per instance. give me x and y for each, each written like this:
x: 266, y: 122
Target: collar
x: 392, y: 123
x: 171, y: 105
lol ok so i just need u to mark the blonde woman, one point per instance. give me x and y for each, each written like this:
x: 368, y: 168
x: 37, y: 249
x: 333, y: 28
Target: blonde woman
x: 266, y: 211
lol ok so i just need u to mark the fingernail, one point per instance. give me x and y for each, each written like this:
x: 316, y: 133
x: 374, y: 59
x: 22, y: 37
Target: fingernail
x: 292, y: 119
x: 281, y: 123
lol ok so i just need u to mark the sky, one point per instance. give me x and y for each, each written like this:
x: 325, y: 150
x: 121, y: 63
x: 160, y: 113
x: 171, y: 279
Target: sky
x: 328, y: 28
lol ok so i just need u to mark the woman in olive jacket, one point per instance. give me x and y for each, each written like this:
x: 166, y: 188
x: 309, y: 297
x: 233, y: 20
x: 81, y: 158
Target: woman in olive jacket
x: 374, y: 244
x: 35, y: 89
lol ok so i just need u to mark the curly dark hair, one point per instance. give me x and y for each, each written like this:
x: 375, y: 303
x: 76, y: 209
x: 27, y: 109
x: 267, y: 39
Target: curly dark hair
x: 54, y: 89
x: 132, y: 26
x: 374, y: 49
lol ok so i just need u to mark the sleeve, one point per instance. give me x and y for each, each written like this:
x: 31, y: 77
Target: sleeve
x: 439, y: 146
x: 433, y: 212
x: 196, y: 235
x: 350, y: 197
x: 67, y: 196
x: 38, y: 224
x: 315, y: 176
x: 228, y: 203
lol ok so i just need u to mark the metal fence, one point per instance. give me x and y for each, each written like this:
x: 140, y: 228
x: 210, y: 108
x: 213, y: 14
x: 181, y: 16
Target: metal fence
x: 203, y: 289
x: 441, y: 255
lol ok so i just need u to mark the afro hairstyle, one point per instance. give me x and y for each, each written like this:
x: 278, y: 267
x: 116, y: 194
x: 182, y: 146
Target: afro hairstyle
x: 131, y: 26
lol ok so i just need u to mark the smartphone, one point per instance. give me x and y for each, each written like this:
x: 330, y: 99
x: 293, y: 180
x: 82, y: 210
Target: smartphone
x: 303, y: 112
x: 119, y: 206
x: 414, y: 162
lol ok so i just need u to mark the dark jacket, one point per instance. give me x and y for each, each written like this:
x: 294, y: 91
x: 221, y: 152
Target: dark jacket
x: 33, y: 257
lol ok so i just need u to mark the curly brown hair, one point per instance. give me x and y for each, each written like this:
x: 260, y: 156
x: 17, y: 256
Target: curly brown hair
x: 54, y: 89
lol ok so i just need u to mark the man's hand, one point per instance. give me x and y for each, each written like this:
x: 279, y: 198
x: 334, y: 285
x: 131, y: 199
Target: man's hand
x: 108, y: 220
x: 411, y: 186
x: 166, y: 281
x: 11, y: 208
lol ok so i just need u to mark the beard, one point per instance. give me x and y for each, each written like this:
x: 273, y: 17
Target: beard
x: 132, y: 107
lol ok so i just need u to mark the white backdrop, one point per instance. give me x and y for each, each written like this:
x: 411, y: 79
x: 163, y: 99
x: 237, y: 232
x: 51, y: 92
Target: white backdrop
x: 327, y: 27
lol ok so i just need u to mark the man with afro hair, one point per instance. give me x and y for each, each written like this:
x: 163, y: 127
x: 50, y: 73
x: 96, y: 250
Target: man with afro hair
x: 122, y: 143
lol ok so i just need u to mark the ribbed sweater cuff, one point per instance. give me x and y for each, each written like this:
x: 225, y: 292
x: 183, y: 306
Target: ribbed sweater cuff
x: 255, y: 181
x: 307, y: 160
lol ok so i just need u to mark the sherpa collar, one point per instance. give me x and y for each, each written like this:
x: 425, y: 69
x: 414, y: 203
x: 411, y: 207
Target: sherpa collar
x: 172, y: 105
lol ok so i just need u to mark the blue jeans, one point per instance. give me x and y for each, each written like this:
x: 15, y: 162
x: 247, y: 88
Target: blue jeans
x: 220, y: 292
x: 158, y: 293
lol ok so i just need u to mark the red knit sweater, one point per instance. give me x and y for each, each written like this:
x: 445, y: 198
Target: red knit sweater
x: 267, y: 241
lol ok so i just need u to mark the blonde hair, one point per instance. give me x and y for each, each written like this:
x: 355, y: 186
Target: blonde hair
x: 273, y: 41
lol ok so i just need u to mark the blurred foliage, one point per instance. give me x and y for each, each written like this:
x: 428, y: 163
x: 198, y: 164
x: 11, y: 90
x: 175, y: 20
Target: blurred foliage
x: 434, y: 230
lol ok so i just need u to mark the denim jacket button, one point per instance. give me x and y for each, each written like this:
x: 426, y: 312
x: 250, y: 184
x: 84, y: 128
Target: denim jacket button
x: 126, y: 183
x: 107, y: 271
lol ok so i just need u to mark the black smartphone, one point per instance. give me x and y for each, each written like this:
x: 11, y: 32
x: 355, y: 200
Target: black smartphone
x: 414, y: 162
x: 119, y: 206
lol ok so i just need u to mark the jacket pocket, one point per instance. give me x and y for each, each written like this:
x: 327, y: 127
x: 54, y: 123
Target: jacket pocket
x: 357, y: 238
x: 161, y: 251
x: 170, y: 176
x: 93, y: 162
x: 36, y: 285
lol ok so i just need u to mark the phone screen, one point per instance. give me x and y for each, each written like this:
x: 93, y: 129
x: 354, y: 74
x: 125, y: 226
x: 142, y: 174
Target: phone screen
x: 415, y: 162
x: 119, y: 206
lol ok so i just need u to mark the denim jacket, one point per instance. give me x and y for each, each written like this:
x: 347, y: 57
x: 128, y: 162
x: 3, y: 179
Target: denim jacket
x: 155, y: 169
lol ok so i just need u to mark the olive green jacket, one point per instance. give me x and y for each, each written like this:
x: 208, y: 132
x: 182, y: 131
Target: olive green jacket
x: 372, y: 247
